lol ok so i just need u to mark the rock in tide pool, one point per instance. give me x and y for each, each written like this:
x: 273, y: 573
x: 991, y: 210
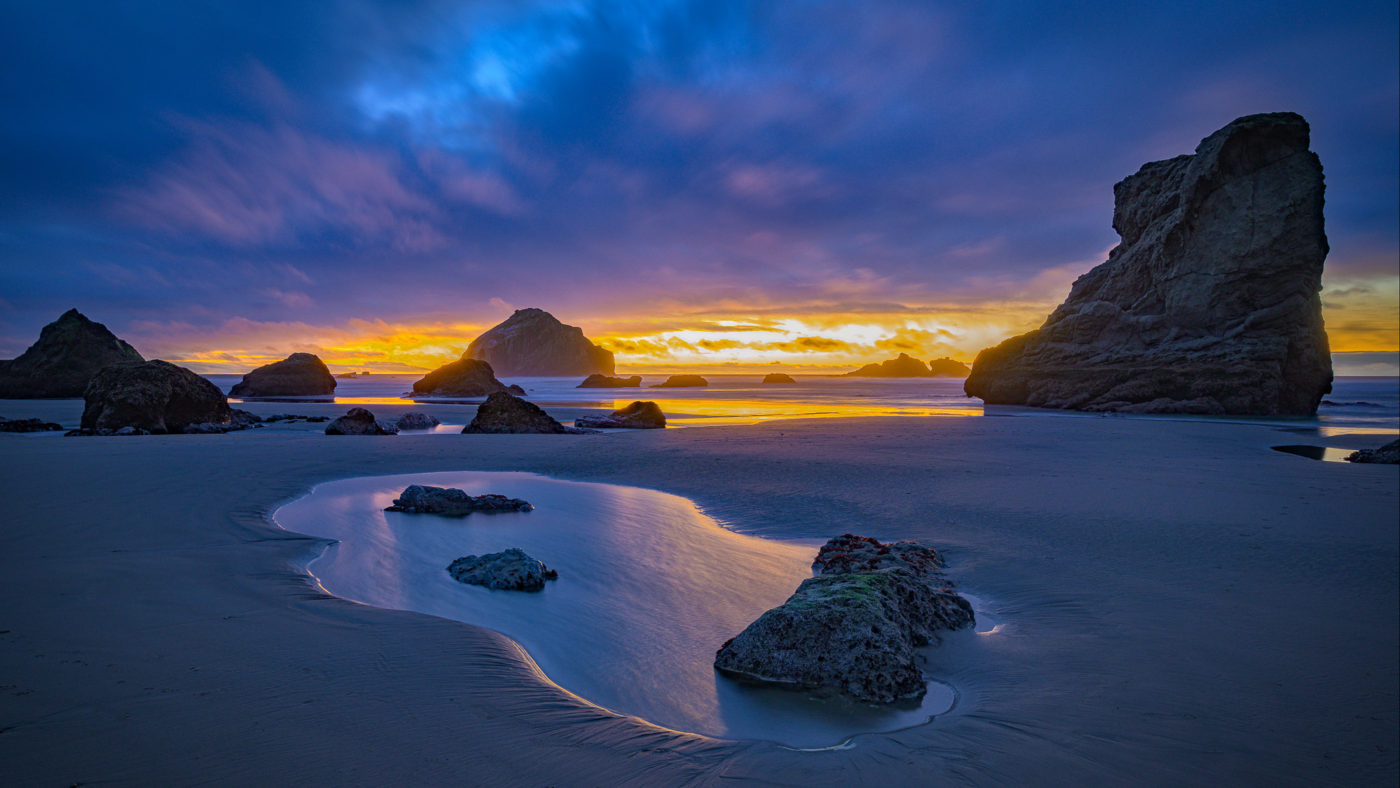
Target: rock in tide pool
x: 414, y: 420
x: 153, y: 397
x: 777, y: 377
x: 682, y: 381
x: 507, y: 413
x: 297, y: 375
x: 68, y: 353
x: 638, y: 416
x: 596, y: 381
x: 509, y: 570
x: 28, y: 425
x: 452, y: 502
x: 905, y: 366
x: 1210, y: 302
x: 852, y: 628
x: 534, y: 342
x: 1388, y: 454
x: 948, y: 368
x: 462, y: 378
x: 358, y: 421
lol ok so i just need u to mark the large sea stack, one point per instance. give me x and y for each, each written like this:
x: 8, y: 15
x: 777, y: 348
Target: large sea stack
x: 297, y: 375
x: 1210, y: 302
x: 68, y: 354
x: 154, y: 397
x: 532, y: 342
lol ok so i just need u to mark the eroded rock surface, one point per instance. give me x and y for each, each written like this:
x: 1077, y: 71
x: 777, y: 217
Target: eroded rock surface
x: 66, y: 357
x: 534, y: 342
x: 358, y: 421
x: 507, y: 413
x: 607, y: 382
x: 297, y: 375
x: 638, y: 416
x: 1388, y: 454
x: 153, y: 397
x: 509, y: 570
x: 415, y: 420
x: 452, y: 502
x: 1210, y: 302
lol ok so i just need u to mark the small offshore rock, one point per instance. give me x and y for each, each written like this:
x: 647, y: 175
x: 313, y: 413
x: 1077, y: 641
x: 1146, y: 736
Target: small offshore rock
x: 1388, y: 454
x: 777, y: 377
x: 466, y: 377
x: 682, y: 381
x: 905, y: 366
x: 452, y: 502
x: 359, y: 421
x: 28, y: 425
x: 509, y: 570
x: 948, y: 368
x: 645, y: 415
x: 600, y: 381
x: 416, y: 420
x: 504, y: 413
x: 297, y: 375
x: 516, y: 390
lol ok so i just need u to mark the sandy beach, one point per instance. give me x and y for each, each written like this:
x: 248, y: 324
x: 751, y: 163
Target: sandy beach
x: 1180, y: 605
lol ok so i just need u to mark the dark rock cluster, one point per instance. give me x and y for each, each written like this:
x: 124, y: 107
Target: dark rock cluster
x: 452, y: 502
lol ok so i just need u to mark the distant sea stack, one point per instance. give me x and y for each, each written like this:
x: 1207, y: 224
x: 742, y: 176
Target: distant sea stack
x: 948, y: 368
x: 68, y: 354
x: 297, y: 375
x: 778, y: 378
x: 1210, y: 302
x: 532, y: 342
x: 596, y: 381
x: 905, y: 366
x: 465, y: 377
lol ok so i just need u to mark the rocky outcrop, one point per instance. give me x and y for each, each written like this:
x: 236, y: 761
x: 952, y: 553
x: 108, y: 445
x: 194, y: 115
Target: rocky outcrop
x: 509, y: 570
x: 507, y: 413
x: 532, y: 342
x: 297, y: 375
x: 358, y: 421
x: 1210, y: 302
x: 948, y: 368
x: 462, y: 378
x: 414, y: 420
x: 153, y: 396
x: 777, y: 378
x: 28, y: 425
x: 452, y: 502
x: 68, y: 354
x: 637, y: 416
x: 682, y: 382
x: 1388, y: 454
x: 854, y: 626
x: 606, y: 382
x: 905, y: 366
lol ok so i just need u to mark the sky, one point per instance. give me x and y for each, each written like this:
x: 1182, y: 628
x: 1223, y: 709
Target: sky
x: 699, y: 185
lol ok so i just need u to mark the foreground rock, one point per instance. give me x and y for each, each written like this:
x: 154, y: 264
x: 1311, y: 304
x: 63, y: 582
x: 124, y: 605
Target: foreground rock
x: 682, y: 381
x: 948, y: 368
x: 69, y: 352
x: 297, y: 375
x: 359, y: 421
x: 28, y: 425
x: 415, y: 420
x: 462, y: 378
x: 507, y: 413
x: 533, y: 342
x: 637, y: 416
x: 154, y: 397
x: 1210, y: 302
x: 606, y: 382
x: 452, y: 502
x: 852, y: 628
x: 905, y: 366
x: 509, y: 570
x: 1388, y: 454
x: 777, y: 378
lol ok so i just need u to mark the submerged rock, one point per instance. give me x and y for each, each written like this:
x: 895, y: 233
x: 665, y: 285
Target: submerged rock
x: 777, y: 377
x: 682, y: 381
x: 948, y: 368
x: 509, y: 570
x: 905, y: 366
x: 462, y: 378
x: 153, y: 396
x: 1388, y: 454
x: 854, y: 627
x: 1208, y: 305
x: 452, y: 502
x: 28, y: 425
x: 297, y: 375
x: 415, y: 420
x: 639, y: 415
x: 358, y: 421
x: 66, y: 357
x: 597, y: 381
x: 534, y: 342
x: 507, y: 413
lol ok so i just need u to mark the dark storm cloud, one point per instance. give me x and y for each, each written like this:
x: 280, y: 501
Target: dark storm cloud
x: 306, y: 160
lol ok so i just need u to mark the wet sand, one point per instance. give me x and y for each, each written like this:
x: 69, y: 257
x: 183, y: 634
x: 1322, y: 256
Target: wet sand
x: 1177, y: 604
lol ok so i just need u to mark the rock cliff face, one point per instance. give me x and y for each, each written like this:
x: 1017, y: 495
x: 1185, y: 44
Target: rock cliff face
x: 152, y: 396
x: 68, y: 354
x: 533, y: 342
x: 297, y: 375
x: 1210, y: 302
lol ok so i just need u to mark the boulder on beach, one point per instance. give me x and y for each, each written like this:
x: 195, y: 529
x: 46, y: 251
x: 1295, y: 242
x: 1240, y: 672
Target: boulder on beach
x: 154, y: 397
x: 1209, y: 304
x: 639, y: 415
x: 416, y: 420
x: 853, y: 627
x: 948, y: 368
x: 452, y: 502
x: 297, y: 375
x: 358, y: 421
x: 1388, y: 454
x: 507, y: 413
x: 682, y: 382
x: 597, y: 381
x: 465, y: 377
x: 533, y: 342
x: 777, y: 378
x: 509, y: 570
x: 68, y: 353
x: 905, y: 366
x: 28, y: 425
